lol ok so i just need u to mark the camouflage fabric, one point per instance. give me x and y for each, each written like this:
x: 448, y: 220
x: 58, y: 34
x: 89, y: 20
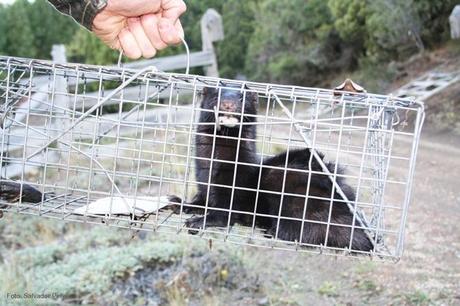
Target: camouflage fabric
x: 83, y: 11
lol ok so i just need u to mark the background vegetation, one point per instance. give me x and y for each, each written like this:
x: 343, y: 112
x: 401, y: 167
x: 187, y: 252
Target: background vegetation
x: 296, y: 41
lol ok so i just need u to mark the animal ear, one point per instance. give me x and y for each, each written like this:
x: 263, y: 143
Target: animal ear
x: 253, y: 97
x: 209, y: 91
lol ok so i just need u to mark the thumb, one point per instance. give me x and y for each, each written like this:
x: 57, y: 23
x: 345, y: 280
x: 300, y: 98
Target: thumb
x: 173, y: 9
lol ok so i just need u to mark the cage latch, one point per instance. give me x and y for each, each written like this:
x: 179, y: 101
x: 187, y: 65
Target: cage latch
x: 388, y: 116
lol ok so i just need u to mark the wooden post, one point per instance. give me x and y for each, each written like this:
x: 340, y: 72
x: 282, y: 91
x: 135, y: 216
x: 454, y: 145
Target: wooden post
x: 60, y: 100
x: 455, y: 23
x: 212, y: 30
x: 58, y: 54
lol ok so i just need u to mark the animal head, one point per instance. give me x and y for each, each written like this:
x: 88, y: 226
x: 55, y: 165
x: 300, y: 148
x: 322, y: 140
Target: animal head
x: 232, y: 105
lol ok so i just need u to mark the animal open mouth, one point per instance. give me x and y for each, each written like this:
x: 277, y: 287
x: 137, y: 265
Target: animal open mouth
x: 228, y: 121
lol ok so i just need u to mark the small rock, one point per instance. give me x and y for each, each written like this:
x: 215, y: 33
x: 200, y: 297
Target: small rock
x: 224, y: 274
x: 263, y: 301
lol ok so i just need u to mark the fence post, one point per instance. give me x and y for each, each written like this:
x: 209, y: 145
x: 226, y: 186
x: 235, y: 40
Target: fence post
x: 212, y: 30
x: 454, y: 20
x: 60, y: 100
x: 58, y: 54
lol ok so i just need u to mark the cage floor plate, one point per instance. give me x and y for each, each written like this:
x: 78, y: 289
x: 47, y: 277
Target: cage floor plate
x: 62, y: 207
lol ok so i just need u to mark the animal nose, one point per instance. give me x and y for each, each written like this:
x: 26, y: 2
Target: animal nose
x: 228, y: 106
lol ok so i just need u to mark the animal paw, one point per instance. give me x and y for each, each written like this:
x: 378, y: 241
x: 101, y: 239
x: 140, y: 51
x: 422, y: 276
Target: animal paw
x: 286, y: 234
x: 176, y: 206
x: 194, y: 225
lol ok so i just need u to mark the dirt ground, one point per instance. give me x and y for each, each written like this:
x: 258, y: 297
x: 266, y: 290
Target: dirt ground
x: 429, y: 271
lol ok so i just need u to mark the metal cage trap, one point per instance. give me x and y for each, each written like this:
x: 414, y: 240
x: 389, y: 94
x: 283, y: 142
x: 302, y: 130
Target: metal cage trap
x: 105, y: 145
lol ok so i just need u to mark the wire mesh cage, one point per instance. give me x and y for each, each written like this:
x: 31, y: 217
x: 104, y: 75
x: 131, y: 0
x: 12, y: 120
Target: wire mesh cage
x: 284, y: 167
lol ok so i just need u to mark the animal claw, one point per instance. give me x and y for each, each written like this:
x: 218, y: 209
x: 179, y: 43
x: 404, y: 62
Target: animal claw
x: 194, y: 225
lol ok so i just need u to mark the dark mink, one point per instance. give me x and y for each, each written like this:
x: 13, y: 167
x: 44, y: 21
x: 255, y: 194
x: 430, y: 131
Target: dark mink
x: 233, y: 103
x: 271, y: 180
x: 317, y: 209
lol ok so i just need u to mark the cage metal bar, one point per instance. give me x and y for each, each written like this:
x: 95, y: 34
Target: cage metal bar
x: 415, y: 144
x: 334, y: 178
x: 237, y: 155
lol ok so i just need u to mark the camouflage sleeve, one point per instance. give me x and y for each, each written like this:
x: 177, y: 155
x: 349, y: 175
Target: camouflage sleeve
x: 83, y: 11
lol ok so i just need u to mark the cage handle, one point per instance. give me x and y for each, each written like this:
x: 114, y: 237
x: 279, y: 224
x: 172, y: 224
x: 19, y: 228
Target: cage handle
x: 187, y: 50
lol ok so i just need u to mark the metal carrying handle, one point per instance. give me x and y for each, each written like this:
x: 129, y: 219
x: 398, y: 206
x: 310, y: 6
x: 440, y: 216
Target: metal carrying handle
x: 187, y: 68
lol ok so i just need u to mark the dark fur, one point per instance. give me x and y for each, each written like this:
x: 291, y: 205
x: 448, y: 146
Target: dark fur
x: 226, y: 150
x: 317, y: 209
x: 11, y: 192
x: 272, y: 180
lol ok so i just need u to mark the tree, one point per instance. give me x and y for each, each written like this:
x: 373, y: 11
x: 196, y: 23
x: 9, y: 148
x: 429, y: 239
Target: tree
x: 31, y: 28
x: 294, y: 42
x: 238, y: 18
x: 49, y: 27
x: 378, y: 30
x: 434, y: 16
x: 2, y: 28
x: 393, y: 29
x: 18, y: 35
x: 87, y: 48
x: 350, y: 20
x: 191, y: 20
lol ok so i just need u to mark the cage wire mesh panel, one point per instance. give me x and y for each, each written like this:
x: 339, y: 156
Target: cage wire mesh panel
x: 284, y: 167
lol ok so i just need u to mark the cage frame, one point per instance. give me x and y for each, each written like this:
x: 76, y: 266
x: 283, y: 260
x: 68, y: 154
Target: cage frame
x: 389, y: 107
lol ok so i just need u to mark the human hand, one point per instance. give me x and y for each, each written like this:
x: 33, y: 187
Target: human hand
x: 140, y: 27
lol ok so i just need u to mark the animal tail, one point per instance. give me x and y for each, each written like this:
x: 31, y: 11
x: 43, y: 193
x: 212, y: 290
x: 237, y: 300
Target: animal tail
x: 361, y: 241
x: 11, y: 192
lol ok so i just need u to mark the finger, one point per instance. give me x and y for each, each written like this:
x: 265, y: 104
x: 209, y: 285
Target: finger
x: 173, y: 9
x: 108, y: 33
x: 150, y: 25
x: 168, y: 32
x: 135, y: 27
x: 113, y: 43
x: 129, y: 45
x: 108, y: 39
